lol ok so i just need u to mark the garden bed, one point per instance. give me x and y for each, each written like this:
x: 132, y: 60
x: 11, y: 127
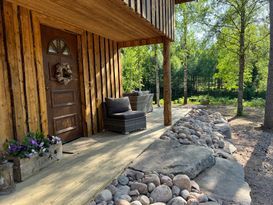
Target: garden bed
x: 24, y: 168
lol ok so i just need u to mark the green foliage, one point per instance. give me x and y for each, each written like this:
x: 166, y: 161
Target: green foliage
x: 211, y: 51
x: 256, y: 102
x: 134, y: 61
x: 197, y: 100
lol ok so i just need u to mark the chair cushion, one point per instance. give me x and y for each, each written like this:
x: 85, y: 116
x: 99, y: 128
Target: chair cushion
x: 117, y: 105
x: 128, y: 115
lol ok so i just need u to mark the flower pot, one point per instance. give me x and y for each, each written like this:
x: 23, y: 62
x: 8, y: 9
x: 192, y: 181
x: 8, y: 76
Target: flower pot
x: 7, y: 184
x: 24, y: 168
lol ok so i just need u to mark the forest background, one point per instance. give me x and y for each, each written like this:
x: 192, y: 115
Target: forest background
x: 220, y: 54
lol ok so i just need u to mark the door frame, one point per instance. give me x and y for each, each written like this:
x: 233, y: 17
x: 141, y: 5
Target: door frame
x: 38, y: 20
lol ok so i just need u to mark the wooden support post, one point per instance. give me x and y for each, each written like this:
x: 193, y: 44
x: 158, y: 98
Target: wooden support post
x: 167, y: 83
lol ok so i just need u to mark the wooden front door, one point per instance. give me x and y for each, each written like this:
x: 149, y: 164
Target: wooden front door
x: 62, y: 83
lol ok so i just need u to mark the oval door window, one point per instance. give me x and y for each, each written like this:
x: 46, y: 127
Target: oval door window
x: 58, y: 46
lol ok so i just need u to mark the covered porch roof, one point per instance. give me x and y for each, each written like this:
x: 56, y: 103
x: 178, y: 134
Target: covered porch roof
x: 112, y: 19
x: 118, y: 20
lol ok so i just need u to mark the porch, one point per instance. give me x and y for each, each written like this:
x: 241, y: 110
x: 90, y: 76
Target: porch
x: 94, y: 163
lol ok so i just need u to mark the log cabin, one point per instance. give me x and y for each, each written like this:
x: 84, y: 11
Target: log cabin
x: 37, y: 36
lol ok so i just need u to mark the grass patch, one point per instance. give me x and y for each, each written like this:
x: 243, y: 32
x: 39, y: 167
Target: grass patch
x: 205, y: 99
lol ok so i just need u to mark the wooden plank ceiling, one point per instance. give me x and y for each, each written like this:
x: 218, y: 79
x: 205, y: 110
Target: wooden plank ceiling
x: 109, y: 18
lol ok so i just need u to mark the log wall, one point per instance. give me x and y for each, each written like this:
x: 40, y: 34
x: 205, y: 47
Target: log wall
x: 160, y: 13
x: 23, y: 105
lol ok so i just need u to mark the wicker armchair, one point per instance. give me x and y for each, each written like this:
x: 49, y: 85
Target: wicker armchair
x: 119, y: 117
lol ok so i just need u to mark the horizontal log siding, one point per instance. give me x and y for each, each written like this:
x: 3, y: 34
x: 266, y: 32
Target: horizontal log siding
x: 22, y: 87
x: 160, y: 13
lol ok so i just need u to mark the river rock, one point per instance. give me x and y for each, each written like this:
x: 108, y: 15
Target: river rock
x: 229, y: 147
x: 151, y: 178
x: 102, y: 203
x: 134, y: 193
x: 104, y: 195
x: 136, y: 203
x: 141, y: 187
x: 182, y: 181
x: 224, y: 129
x: 175, y: 190
x: 166, y: 180
x: 185, y: 194
x: 123, y: 180
x: 112, y: 189
x: 211, y: 203
x: 195, y: 186
x: 151, y: 187
x: 202, y: 198
x: 121, y: 190
x: 192, y: 202
x: 123, y: 197
x: 177, y: 201
x: 144, y: 200
x: 162, y: 193
x: 122, y: 202
x: 134, y: 174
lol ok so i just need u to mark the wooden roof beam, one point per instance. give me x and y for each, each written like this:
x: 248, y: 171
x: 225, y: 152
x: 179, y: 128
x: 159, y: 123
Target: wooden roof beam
x: 182, y: 1
x: 141, y: 42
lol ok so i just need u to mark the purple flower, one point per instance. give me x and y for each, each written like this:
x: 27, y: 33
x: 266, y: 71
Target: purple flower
x: 33, y: 142
x: 13, y: 148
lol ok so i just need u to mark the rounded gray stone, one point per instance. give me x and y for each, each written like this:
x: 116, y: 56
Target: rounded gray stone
x: 151, y: 187
x: 104, y: 195
x: 112, y: 189
x: 144, y: 200
x: 136, y: 203
x: 123, y: 197
x: 151, y: 178
x: 141, y: 187
x: 182, y: 181
x: 177, y: 201
x: 123, y: 180
x: 166, y: 180
x: 185, y: 194
x: 162, y: 193
x: 122, y: 202
x: 194, y: 185
x: 134, y: 193
x: 175, y: 190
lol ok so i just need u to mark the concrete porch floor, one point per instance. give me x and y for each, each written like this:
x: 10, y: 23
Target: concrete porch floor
x: 94, y: 163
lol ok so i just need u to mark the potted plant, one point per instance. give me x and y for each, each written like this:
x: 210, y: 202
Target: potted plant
x: 34, y: 153
x: 7, y: 184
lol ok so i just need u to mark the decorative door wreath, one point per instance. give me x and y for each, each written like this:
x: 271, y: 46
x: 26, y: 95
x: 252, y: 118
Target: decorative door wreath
x: 63, y: 73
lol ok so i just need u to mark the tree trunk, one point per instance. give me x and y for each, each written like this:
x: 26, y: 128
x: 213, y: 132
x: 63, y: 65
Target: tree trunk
x: 157, y: 85
x: 241, y: 65
x: 268, y: 118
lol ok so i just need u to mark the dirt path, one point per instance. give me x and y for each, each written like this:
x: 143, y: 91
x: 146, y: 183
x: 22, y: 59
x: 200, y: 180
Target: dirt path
x: 255, y: 152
